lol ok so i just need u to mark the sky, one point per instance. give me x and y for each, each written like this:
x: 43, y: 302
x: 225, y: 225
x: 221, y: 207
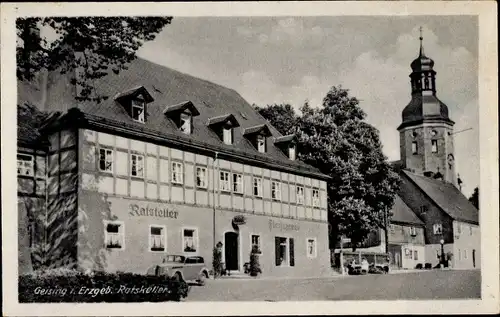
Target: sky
x: 293, y: 59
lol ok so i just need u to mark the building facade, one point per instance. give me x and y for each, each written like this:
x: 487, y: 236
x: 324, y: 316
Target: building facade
x: 170, y: 164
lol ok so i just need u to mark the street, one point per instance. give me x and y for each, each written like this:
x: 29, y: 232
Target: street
x: 419, y: 285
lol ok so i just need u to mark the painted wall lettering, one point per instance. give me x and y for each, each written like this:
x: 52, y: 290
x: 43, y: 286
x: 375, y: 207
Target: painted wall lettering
x: 147, y: 211
x: 278, y: 225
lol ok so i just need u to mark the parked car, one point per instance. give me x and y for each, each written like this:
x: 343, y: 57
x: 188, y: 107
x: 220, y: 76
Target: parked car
x: 184, y: 268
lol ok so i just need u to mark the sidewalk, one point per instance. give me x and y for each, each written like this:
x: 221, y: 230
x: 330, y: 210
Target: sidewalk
x: 244, y: 277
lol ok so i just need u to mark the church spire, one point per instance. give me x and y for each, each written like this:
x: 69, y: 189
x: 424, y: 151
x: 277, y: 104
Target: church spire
x: 421, y: 44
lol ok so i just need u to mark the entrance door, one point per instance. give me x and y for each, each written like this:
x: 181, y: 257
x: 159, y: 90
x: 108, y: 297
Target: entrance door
x: 474, y: 258
x: 231, y: 251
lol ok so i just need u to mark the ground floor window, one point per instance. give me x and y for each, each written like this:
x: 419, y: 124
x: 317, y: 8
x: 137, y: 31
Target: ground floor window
x: 255, y: 240
x: 408, y: 254
x: 311, y: 248
x: 157, y: 238
x: 415, y: 255
x: 190, y: 239
x: 284, y: 251
x: 114, y: 235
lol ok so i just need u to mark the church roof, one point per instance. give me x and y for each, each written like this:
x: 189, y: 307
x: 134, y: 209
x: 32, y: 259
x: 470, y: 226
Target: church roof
x: 167, y: 87
x: 447, y: 197
x: 424, y: 108
x: 403, y: 214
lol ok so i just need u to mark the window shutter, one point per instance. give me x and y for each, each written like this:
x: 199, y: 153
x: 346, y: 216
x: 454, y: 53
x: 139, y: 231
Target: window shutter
x: 277, y: 250
x: 292, y: 253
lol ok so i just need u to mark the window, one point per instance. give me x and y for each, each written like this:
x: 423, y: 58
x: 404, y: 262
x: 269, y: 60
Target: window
x: 177, y: 173
x: 459, y: 254
x: 413, y: 231
x: 227, y: 135
x: 137, y: 165
x: 284, y: 251
x: 224, y: 184
x: 291, y: 152
x: 257, y: 187
x: 261, y: 143
x: 393, y: 228
x: 201, y: 177
x: 237, y: 183
x: 311, y: 248
x: 408, y: 254
x: 433, y: 132
x: 185, y: 123
x: 437, y: 228
x: 434, y: 146
x: 415, y: 254
x: 465, y: 254
x: 25, y: 165
x: 276, y: 190
x: 414, y: 148
x: 190, y: 240
x: 114, y: 237
x: 470, y: 230
x: 300, y: 195
x: 138, y: 110
x: 255, y: 242
x: 106, y: 160
x: 459, y: 228
x: 315, y: 198
x: 157, y: 238
x: 423, y: 210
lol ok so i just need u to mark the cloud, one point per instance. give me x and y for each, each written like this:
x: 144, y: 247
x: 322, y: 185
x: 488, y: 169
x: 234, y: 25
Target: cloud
x: 383, y: 86
x: 286, y: 31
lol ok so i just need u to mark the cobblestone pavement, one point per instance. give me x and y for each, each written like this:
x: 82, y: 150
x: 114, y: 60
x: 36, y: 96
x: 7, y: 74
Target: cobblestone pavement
x: 436, y: 284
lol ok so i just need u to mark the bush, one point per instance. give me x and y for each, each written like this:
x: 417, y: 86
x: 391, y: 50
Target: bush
x: 254, y: 261
x: 74, y: 286
x: 418, y: 266
x: 428, y: 266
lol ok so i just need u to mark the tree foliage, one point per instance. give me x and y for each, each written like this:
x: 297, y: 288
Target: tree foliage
x: 474, y: 198
x: 91, y: 45
x: 335, y: 139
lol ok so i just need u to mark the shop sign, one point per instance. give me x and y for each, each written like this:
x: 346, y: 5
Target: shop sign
x: 281, y: 226
x: 152, y: 211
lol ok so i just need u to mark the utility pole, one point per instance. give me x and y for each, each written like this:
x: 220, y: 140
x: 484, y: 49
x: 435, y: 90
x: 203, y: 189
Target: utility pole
x: 386, y: 231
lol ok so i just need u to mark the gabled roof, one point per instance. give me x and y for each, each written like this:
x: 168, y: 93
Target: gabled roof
x: 186, y: 105
x: 285, y: 139
x: 223, y: 119
x: 446, y: 196
x: 261, y: 128
x: 134, y: 92
x: 167, y: 87
x: 401, y: 213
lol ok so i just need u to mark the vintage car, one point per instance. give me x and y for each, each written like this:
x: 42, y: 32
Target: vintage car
x: 184, y: 268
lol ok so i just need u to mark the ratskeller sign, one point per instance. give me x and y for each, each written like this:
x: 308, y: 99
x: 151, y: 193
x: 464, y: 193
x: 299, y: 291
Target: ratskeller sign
x: 149, y: 211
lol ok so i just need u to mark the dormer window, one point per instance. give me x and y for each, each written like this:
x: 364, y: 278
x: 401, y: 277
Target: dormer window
x: 182, y: 115
x: 224, y: 126
x: 138, y: 107
x: 227, y: 135
x: 288, y: 145
x: 261, y: 144
x: 257, y: 136
x: 291, y: 152
x: 135, y: 102
x: 185, y: 122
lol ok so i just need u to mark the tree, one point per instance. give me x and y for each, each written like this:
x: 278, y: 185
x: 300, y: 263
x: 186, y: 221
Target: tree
x: 474, y: 198
x: 92, y: 45
x: 335, y: 139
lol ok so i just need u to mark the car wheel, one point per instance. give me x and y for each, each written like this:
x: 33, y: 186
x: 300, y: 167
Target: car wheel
x: 202, y: 278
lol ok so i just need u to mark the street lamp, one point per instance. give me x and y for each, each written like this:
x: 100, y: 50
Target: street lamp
x: 442, y: 252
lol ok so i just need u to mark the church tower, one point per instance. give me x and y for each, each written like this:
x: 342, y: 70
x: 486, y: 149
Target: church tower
x: 426, y: 133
